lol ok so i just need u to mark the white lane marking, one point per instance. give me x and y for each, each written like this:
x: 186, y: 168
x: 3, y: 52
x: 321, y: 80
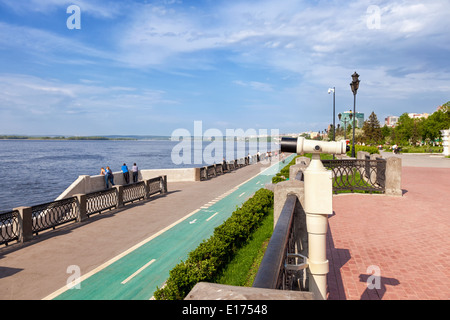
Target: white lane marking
x: 257, y: 182
x: 212, y: 216
x: 138, y: 271
x: 193, y: 221
x: 241, y: 194
x: 120, y: 256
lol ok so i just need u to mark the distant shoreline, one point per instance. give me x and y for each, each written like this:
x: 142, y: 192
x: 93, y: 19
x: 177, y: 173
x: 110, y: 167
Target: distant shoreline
x: 89, y: 138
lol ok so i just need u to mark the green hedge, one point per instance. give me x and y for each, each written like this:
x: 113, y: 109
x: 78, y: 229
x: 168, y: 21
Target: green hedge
x: 205, y: 262
x: 284, y: 172
x: 371, y: 150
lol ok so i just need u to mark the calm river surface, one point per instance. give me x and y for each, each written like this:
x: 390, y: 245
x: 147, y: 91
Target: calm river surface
x: 38, y: 171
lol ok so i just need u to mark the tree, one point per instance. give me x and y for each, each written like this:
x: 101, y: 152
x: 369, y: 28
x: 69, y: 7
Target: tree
x: 404, y: 129
x: 386, y: 131
x: 440, y: 120
x: 372, y: 130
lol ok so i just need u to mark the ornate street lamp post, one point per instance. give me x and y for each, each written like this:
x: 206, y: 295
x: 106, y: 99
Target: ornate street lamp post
x: 355, y: 86
x: 334, y: 112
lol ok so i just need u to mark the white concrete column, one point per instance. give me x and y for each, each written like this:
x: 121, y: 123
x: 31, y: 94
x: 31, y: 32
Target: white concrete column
x: 318, y: 206
x: 445, y: 141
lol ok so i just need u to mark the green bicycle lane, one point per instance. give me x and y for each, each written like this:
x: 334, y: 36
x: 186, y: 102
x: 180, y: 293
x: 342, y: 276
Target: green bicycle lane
x: 137, y: 274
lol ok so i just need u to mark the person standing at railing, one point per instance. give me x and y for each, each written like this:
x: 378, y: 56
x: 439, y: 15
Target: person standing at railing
x: 135, y: 172
x: 109, y: 177
x: 126, y: 174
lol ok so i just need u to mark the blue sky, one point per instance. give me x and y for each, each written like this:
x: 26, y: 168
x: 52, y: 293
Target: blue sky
x: 150, y: 67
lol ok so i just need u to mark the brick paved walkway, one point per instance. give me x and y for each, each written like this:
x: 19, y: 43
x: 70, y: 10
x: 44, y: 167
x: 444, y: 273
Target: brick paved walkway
x: 405, y: 239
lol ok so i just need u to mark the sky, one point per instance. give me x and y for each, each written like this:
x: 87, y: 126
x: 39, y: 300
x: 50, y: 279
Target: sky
x: 151, y: 67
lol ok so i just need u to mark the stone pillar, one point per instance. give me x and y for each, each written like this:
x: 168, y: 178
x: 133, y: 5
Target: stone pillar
x: 393, y: 176
x: 119, y: 191
x: 197, y: 174
x: 164, y: 184
x: 446, y: 141
x: 361, y: 155
x: 281, y: 191
x: 25, y: 224
x: 82, y: 206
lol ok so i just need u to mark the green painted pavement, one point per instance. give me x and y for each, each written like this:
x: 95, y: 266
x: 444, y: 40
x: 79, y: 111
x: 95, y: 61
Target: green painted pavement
x: 137, y: 275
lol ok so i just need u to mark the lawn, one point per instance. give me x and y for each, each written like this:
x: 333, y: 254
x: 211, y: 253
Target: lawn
x: 242, y: 269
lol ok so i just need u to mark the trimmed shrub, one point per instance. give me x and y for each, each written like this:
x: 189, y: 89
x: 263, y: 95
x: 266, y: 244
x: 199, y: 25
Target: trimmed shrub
x: 371, y: 150
x: 205, y: 262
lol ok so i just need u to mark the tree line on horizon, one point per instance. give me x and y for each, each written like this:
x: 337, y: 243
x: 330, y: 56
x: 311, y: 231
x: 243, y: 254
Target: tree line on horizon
x: 407, y: 131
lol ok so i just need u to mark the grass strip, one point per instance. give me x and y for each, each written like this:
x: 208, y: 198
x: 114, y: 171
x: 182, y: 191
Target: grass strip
x: 242, y: 269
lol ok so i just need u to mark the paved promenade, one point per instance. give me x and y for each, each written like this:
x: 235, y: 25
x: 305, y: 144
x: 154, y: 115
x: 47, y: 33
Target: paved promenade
x: 402, y: 240
x: 111, y: 250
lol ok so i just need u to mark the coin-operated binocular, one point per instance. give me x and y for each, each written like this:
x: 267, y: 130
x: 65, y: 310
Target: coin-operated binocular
x: 301, y: 145
x: 318, y: 190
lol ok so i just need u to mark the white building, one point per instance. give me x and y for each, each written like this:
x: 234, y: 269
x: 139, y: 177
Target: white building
x: 391, y: 121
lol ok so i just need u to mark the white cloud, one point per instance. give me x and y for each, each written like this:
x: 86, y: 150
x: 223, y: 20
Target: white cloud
x: 22, y: 93
x: 256, y: 85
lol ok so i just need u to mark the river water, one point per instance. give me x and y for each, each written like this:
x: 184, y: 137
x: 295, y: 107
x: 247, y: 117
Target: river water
x: 38, y: 171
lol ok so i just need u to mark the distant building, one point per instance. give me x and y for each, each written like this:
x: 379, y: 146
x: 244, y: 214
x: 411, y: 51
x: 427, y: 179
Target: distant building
x: 314, y: 135
x: 418, y: 115
x: 391, y: 121
x: 345, y: 119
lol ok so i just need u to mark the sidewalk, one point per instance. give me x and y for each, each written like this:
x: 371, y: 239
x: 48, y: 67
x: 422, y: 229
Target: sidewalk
x: 403, y: 240
x: 42, y: 266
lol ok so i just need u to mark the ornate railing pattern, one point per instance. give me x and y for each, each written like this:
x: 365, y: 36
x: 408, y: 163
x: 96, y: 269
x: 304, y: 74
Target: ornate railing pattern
x: 52, y: 214
x: 97, y: 202
x: 358, y: 175
x: 155, y: 185
x: 214, y: 170
x: 9, y: 226
x: 133, y: 192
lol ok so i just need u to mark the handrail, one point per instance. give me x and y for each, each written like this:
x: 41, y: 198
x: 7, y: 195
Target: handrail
x: 358, y: 174
x: 14, y: 224
x: 9, y: 226
x: 275, y: 271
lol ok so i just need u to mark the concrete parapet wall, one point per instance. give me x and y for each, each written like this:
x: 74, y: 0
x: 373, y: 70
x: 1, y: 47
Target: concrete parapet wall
x: 173, y: 175
x: 87, y: 184
x: 281, y: 191
x: 214, y: 291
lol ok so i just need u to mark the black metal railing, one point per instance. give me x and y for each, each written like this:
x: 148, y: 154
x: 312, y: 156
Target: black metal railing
x: 133, y: 192
x: 52, y: 214
x: 49, y: 215
x: 358, y: 175
x: 9, y: 226
x: 97, y: 202
x: 156, y: 185
x: 284, y: 262
x: 208, y: 172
